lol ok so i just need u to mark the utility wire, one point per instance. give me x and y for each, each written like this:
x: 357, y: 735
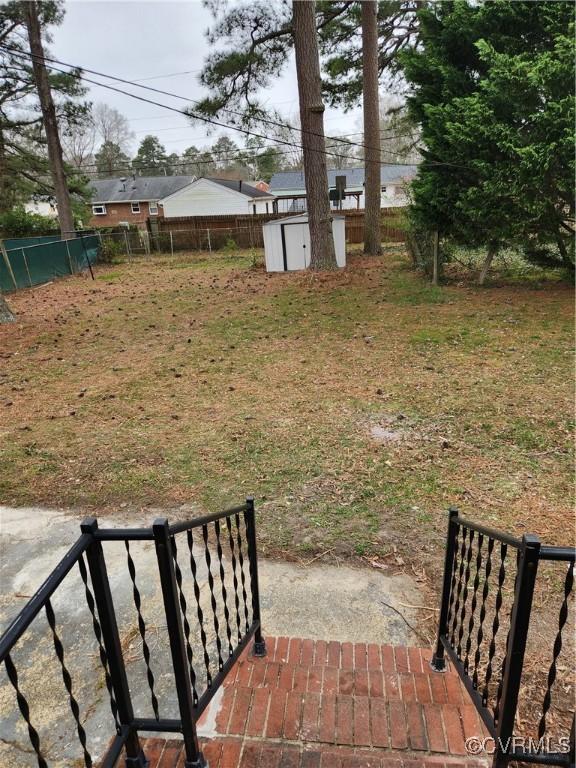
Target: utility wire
x: 173, y: 95
x: 202, y: 118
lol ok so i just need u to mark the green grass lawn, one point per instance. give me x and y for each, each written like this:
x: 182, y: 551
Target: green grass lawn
x: 355, y: 406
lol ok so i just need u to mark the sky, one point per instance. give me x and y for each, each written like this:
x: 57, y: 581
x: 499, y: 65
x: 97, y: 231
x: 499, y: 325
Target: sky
x: 165, y: 41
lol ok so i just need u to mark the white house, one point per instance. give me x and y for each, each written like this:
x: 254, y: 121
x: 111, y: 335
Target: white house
x: 216, y: 197
x: 290, y: 189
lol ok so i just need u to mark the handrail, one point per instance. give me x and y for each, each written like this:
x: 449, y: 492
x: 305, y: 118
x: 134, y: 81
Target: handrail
x: 488, y: 652
x: 206, y: 519
x: 558, y: 553
x: 491, y: 532
x: 27, y: 615
x: 238, y: 614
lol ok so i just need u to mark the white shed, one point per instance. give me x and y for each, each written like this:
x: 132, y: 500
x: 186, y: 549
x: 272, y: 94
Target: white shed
x: 287, y: 243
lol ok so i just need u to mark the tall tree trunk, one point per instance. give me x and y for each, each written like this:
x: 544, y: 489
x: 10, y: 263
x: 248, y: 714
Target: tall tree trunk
x: 5, y: 197
x: 372, y: 183
x: 65, y: 216
x: 312, y: 124
x: 492, y: 251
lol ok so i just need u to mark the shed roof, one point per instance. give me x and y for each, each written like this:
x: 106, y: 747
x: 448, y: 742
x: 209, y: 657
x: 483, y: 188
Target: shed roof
x: 139, y: 188
x: 299, y: 218
x: 294, y: 180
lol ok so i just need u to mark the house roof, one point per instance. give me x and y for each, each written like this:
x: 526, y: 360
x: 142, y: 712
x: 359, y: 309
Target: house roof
x: 141, y: 188
x: 294, y: 180
x: 240, y: 186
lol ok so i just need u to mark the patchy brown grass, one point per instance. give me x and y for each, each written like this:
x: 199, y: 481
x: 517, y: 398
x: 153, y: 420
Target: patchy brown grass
x: 356, y: 406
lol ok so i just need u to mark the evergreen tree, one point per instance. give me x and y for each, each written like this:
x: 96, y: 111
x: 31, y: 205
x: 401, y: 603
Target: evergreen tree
x: 493, y: 91
x: 151, y: 158
x: 111, y: 161
x: 24, y: 166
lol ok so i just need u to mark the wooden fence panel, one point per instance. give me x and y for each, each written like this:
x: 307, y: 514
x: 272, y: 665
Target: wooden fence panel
x: 212, y: 232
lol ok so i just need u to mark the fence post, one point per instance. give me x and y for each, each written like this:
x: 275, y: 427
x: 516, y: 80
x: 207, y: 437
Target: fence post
x: 171, y: 244
x: 209, y: 243
x: 516, y: 647
x: 435, y: 258
x: 69, y: 258
x: 87, y: 257
x: 102, y: 595
x: 26, y: 265
x: 194, y: 757
x: 250, y: 521
x: 438, y: 662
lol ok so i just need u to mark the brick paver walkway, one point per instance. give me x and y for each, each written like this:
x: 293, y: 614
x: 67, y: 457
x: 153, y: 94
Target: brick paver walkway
x: 316, y: 704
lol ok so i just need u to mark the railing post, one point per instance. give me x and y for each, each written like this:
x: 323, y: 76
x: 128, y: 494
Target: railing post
x: 103, y: 597
x: 194, y: 757
x: 438, y: 662
x: 519, y: 623
x: 250, y: 520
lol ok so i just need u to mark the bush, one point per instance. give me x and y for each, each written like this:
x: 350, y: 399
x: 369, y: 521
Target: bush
x: 19, y: 223
x: 111, y: 251
x: 230, y: 245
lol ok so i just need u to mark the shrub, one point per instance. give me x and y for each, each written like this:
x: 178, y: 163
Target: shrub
x: 19, y: 223
x: 230, y: 245
x: 111, y: 250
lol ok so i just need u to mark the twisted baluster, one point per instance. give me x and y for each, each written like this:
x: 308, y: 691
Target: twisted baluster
x: 199, y: 611
x: 459, y: 588
x: 473, y: 603
x: 242, y: 577
x: 495, y: 624
x: 98, y: 632
x: 223, y: 584
x: 74, y: 708
x: 485, y: 592
x: 212, y: 596
x: 25, y: 711
x: 465, y: 592
x: 562, y: 618
x: 453, y: 582
x: 235, y: 577
x: 142, y: 630
x: 185, y: 623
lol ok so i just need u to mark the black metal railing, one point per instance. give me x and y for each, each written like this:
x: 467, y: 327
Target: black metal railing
x: 207, y: 630
x: 485, y: 612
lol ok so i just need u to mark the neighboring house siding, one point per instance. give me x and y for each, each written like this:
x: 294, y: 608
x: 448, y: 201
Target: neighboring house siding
x: 204, y: 198
x: 122, y: 212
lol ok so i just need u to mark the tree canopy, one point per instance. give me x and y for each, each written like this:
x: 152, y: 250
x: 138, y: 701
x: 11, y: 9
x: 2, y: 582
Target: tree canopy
x: 492, y: 88
x: 24, y: 169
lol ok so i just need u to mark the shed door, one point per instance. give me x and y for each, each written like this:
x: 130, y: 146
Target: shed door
x: 297, y: 243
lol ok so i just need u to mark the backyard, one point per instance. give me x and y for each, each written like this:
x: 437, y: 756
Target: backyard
x: 356, y: 406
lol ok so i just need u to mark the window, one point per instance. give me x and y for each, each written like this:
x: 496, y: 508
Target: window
x: 135, y: 207
x: 99, y: 210
x: 267, y: 208
x: 153, y: 208
x: 254, y: 208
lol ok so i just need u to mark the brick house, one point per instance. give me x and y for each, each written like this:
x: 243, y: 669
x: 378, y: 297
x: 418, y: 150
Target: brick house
x: 131, y: 200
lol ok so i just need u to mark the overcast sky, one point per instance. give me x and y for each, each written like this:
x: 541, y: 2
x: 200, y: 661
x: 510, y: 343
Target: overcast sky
x: 142, y: 40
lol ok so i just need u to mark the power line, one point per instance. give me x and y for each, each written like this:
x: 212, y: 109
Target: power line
x: 173, y: 95
x: 202, y: 118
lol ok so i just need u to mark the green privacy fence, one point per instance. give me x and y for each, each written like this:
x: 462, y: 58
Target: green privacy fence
x: 24, y: 264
